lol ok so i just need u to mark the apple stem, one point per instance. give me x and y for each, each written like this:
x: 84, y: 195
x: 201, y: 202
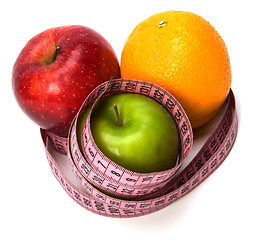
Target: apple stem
x: 56, y: 52
x: 119, y: 122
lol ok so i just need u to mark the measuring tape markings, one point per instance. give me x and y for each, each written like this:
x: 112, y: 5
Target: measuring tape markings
x: 211, y: 155
x: 210, y: 149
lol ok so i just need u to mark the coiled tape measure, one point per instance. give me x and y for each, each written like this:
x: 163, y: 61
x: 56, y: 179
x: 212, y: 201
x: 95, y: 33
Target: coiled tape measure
x: 146, y: 192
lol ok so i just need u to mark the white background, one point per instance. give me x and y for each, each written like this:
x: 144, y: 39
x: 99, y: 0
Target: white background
x: 34, y: 206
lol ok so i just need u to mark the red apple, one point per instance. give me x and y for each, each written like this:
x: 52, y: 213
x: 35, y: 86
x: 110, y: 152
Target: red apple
x: 55, y: 72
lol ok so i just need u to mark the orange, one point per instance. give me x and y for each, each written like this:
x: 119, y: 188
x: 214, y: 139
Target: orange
x: 184, y: 54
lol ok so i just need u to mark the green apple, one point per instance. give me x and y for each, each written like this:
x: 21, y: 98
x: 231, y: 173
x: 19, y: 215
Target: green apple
x: 135, y: 132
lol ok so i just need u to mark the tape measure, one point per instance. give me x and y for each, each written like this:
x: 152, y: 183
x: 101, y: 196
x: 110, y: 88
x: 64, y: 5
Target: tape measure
x: 146, y: 192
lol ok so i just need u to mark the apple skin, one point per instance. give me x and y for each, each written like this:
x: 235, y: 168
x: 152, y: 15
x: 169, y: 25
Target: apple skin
x: 146, y: 142
x: 50, y: 85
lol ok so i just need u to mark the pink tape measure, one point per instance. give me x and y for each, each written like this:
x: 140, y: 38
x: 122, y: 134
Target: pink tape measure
x: 150, y: 191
